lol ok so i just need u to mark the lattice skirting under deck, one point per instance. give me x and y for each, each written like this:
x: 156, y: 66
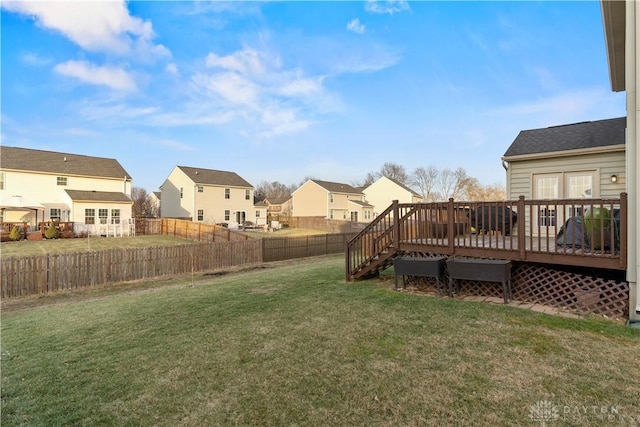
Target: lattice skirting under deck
x: 576, y: 289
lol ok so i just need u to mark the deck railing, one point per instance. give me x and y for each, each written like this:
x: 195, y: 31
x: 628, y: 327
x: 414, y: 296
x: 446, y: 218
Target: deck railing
x: 580, y: 232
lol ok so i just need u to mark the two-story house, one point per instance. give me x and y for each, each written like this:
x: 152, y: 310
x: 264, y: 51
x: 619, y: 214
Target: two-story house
x: 385, y: 190
x: 332, y: 200
x: 207, y: 195
x: 92, y: 192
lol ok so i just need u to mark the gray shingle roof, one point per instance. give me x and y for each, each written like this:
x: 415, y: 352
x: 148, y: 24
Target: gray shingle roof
x: 336, y: 187
x: 361, y: 203
x: 278, y: 200
x: 98, y: 196
x: 26, y: 159
x: 574, y: 136
x: 214, y: 177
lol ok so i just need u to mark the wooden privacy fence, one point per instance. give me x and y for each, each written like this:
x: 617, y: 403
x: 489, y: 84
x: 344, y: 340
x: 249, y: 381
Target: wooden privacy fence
x: 199, y: 231
x: 283, y: 248
x: 22, y: 276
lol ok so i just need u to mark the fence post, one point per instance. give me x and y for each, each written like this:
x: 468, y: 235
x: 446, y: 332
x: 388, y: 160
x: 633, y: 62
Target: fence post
x: 521, y: 225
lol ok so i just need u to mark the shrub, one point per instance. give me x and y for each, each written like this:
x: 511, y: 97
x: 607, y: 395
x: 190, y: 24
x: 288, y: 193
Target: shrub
x: 51, y: 232
x: 15, y: 234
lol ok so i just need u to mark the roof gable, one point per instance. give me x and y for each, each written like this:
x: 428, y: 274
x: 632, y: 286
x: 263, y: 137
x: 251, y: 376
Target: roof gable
x: 574, y: 136
x: 29, y: 160
x: 336, y: 187
x: 214, y: 177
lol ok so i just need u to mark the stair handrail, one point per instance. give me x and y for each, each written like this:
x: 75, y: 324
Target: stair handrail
x: 358, y: 238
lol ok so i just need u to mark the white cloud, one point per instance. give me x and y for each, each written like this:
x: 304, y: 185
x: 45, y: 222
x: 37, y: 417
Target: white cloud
x: 355, y: 26
x: 253, y: 86
x: 115, y: 78
x: 245, y: 61
x: 301, y: 86
x: 98, y: 26
x: 172, y: 69
x: 389, y: 6
x: 231, y: 87
x: 34, y: 59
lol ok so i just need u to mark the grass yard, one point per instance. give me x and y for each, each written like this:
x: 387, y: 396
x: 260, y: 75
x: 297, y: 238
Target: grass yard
x: 42, y: 247
x: 293, y: 344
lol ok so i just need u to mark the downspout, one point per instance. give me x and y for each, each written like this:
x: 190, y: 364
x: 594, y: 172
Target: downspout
x: 632, y: 81
x: 505, y: 165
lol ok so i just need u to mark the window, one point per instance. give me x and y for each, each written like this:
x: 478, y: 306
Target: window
x: 62, y: 180
x: 1, y: 180
x: 181, y: 192
x: 200, y: 189
x: 330, y: 213
x: 200, y: 214
x: 547, y: 186
x: 247, y: 194
x: 227, y: 193
x: 367, y: 214
x: 115, y: 216
x: 227, y: 215
x: 257, y: 214
x: 54, y: 214
x: 331, y: 197
x: 89, y: 216
x: 103, y: 214
x: 1, y: 215
x: 547, y: 217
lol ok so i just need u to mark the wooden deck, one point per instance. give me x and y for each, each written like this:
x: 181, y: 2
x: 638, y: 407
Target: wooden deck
x: 593, y: 231
x: 506, y: 247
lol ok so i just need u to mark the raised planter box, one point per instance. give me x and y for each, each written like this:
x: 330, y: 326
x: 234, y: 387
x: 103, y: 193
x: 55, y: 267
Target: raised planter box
x: 419, y: 266
x: 481, y: 270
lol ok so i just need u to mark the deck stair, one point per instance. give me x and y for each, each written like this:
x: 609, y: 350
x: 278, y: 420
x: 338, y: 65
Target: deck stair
x: 375, y: 247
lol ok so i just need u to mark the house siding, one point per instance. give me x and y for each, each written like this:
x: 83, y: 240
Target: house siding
x: 383, y: 192
x: 172, y: 206
x: 520, y: 173
x: 43, y: 188
x: 310, y: 199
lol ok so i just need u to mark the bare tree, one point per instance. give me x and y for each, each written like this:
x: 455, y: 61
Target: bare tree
x: 454, y: 184
x: 425, y: 181
x: 272, y: 190
x: 488, y: 192
x: 396, y: 172
x: 143, y: 207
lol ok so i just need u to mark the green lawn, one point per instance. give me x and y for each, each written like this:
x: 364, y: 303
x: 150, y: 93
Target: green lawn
x: 293, y: 344
x: 41, y: 247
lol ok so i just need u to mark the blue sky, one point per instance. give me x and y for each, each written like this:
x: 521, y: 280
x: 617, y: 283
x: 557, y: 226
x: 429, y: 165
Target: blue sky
x: 280, y: 91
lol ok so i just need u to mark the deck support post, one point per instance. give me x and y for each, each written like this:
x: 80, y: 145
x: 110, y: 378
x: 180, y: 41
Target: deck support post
x: 450, y: 226
x: 521, y: 226
x: 623, y: 230
x: 395, y: 239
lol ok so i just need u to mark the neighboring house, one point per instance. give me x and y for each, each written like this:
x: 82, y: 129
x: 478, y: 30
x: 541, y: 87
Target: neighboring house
x: 622, y: 35
x: 279, y: 208
x: 155, y: 198
x: 92, y: 192
x: 260, y: 217
x: 331, y: 200
x: 385, y: 190
x: 207, y: 195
